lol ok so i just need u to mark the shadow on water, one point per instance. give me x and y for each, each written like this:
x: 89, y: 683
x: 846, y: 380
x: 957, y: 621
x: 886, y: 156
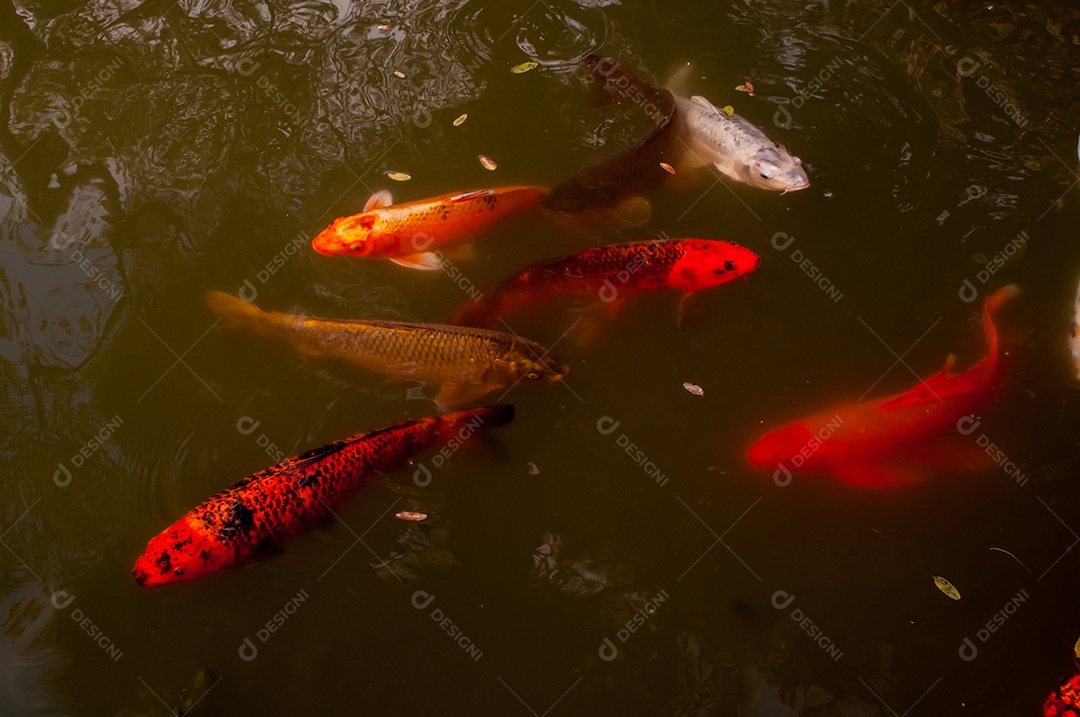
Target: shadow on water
x: 151, y: 152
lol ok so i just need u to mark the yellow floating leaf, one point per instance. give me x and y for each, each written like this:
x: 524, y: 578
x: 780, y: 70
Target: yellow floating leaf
x: 487, y: 162
x: 729, y: 110
x: 1076, y: 649
x: 461, y: 120
x: 667, y: 168
x: 694, y: 388
x: 383, y: 26
x: 399, y: 73
x: 413, y: 516
x: 946, y: 587
x: 525, y: 67
x: 398, y: 176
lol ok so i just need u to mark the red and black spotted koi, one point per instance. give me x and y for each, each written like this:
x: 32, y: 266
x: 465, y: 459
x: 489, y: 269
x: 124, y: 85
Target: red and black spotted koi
x: 293, y: 496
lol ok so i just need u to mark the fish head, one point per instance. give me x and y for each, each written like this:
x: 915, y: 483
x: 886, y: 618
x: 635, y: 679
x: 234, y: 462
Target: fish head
x: 182, y: 552
x: 349, y: 236
x: 708, y: 263
x: 779, y: 445
x: 771, y: 167
x: 527, y: 363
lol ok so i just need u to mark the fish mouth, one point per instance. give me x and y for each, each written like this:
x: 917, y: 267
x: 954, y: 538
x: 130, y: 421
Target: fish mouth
x: 800, y: 183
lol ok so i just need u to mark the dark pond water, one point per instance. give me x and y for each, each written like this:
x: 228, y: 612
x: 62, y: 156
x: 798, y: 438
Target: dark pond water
x: 151, y: 152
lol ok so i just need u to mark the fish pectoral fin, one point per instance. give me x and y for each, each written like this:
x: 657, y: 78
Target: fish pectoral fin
x: 688, y: 313
x: 454, y: 393
x: 866, y: 475
x: 460, y: 252
x: 378, y: 200
x: 632, y: 212
x: 426, y: 261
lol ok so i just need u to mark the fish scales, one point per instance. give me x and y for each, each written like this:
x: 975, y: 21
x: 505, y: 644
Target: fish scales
x: 287, y: 498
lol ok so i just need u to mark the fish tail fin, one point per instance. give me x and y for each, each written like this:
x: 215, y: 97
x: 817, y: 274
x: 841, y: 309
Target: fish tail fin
x: 484, y: 417
x: 996, y: 300
x: 237, y: 313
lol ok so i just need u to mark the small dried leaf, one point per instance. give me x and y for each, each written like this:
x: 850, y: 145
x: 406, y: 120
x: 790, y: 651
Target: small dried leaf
x: 946, y: 587
x: 694, y: 388
x: 413, y: 516
x: 383, y: 26
x: 729, y: 110
x: 748, y: 88
x: 487, y: 162
x: 534, y: 469
x: 667, y: 168
x: 461, y: 120
x: 398, y: 176
x: 399, y: 73
x: 525, y: 67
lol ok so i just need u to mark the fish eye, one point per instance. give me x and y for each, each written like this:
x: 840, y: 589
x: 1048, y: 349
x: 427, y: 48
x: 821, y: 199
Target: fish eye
x: 766, y: 175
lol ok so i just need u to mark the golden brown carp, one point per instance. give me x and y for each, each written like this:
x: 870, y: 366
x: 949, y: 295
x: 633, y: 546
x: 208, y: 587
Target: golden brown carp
x: 467, y: 363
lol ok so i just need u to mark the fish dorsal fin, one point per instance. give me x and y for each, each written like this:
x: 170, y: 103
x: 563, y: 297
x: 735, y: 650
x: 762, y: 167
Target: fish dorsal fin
x: 928, y: 390
x: 678, y: 82
x: 698, y: 99
x: 466, y: 196
x: 455, y: 393
x: 426, y: 261
x: 378, y: 200
x: 317, y: 454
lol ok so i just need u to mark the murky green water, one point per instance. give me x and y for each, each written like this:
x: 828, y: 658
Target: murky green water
x: 152, y: 152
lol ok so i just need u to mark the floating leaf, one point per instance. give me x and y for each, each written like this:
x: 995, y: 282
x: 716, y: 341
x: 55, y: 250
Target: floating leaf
x: 398, y: 176
x: 729, y: 110
x: 946, y: 587
x: 1076, y: 649
x: 487, y: 162
x: 461, y: 120
x: 1002, y: 550
x: 667, y: 168
x: 413, y: 516
x: 525, y: 67
x: 383, y: 26
x: 399, y: 73
x: 694, y: 388
x: 748, y: 88
x: 534, y: 469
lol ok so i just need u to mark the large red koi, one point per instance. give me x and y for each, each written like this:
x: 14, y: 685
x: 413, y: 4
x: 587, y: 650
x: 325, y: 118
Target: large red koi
x: 613, y: 274
x: 293, y: 495
x: 883, y: 443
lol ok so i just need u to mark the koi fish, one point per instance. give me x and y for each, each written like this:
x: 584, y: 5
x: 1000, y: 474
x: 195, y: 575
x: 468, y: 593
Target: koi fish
x: 293, y: 496
x: 467, y: 363
x: 407, y: 234
x: 880, y: 443
x: 738, y: 149
x: 613, y: 274
x: 614, y: 184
